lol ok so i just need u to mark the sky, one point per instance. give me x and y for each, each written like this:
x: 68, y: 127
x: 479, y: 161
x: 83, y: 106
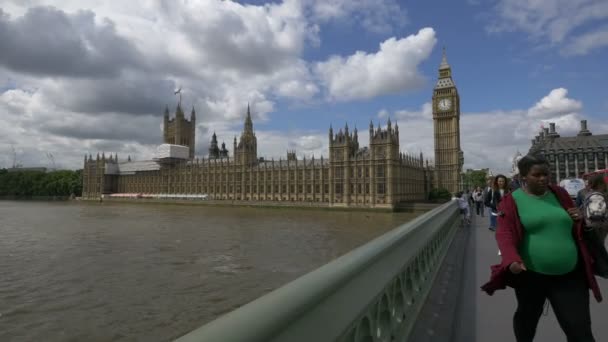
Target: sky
x: 80, y: 77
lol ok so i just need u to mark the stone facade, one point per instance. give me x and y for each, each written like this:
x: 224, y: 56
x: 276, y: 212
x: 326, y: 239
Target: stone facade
x: 180, y: 131
x: 449, y: 158
x: 571, y: 157
x: 377, y: 176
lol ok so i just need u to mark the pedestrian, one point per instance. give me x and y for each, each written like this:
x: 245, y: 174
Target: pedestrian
x: 515, y: 182
x: 478, y: 199
x: 593, y: 206
x: 487, y: 191
x: 516, y: 179
x: 499, y: 189
x: 581, y: 194
x: 543, y: 256
x: 463, y: 205
x: 470, y: 197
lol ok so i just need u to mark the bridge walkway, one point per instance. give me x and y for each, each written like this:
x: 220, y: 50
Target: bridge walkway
x: 493, y: 314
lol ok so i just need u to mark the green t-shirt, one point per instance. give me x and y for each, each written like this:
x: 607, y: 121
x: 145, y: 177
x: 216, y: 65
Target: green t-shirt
x: 548, y: 246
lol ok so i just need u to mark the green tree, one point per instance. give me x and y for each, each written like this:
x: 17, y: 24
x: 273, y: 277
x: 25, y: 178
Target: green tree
x: 475, y: 178
x: 440, y: 195
x: 35, y: 183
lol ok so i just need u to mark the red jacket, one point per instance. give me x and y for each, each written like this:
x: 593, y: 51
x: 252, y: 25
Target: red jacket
x: 510, y: 234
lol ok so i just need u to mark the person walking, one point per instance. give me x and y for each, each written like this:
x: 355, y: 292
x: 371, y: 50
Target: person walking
x: 593, y: 205
x: 487, y: 191
x: 463, y: 205
x: 581, y: 194
x: 544, y: 256
x: 478, y: 199
x: 499, y: 189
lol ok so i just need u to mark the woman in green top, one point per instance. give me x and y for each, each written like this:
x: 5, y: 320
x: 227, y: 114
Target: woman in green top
x: 551, y: 268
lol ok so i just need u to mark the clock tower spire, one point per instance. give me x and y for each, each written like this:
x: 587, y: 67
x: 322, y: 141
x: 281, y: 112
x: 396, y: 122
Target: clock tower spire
x: 446, y: 124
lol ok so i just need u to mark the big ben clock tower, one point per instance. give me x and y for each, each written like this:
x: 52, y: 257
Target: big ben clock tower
x: 446, y: 124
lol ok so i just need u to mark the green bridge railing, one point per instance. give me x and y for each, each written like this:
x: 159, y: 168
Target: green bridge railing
x: 373, y: 293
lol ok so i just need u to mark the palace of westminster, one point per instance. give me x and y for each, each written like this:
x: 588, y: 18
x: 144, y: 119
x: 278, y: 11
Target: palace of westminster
x: 376, y: 176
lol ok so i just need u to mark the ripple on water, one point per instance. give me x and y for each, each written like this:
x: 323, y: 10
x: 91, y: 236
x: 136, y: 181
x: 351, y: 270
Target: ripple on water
x: 90, y: 272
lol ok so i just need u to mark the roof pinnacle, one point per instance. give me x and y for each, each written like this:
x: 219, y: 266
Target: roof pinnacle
x: 444, y: 61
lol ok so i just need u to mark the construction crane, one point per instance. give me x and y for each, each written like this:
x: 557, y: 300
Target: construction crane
x: 51, y: 159
x: 14, y: 156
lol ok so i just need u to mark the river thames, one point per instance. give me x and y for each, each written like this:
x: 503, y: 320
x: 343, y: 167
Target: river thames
x: 76, y: 271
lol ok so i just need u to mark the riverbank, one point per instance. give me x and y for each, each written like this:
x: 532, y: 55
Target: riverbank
x: 403, y: 207
x: 36, y: 198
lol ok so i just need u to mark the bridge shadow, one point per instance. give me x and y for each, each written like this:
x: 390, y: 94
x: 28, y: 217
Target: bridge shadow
x: 458, y: 311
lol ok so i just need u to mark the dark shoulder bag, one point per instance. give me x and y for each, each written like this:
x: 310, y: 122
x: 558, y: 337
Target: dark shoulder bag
x: 593, y: 235
x: 595, y: 246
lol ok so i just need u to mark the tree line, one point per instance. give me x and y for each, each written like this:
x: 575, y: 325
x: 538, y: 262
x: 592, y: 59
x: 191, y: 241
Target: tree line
x: 24, y: 184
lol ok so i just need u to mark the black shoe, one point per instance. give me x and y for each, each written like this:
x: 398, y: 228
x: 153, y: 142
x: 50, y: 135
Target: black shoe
x: 492, y: 229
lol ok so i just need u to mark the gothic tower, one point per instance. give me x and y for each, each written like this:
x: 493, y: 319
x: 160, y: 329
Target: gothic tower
x: 246, y: 152
x: 179, y: 130
x: 384, y: 147
x: 446, y: 123
x: 342, y: 149
x: 214, y: 150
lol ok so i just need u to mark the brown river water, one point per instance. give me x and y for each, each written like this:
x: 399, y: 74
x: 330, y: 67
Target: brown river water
x: 72, y: 271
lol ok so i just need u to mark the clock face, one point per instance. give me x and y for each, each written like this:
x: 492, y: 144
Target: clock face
x: 445, y: 104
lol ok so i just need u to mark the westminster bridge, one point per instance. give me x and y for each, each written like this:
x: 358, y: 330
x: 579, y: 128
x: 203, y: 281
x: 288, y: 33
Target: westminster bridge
x: 418, y: 282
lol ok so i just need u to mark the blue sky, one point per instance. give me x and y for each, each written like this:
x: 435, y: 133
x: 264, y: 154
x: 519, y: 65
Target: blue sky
x: 97, y: 78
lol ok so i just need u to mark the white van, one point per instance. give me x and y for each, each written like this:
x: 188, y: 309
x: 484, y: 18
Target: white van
x: 572, y: 185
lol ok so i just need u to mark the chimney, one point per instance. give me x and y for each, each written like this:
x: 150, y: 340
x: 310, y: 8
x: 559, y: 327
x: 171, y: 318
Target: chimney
x: 552, y: 132
x: 584, y: 131
x: 546, y: 130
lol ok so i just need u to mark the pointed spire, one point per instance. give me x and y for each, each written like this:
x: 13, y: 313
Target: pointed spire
x: 179, y: 113
x: 166, y: 111
x: 248, y: 127
x: 371, y: 125
x: 129, y: 158
x: 444, y: 61
x: 192, y: 114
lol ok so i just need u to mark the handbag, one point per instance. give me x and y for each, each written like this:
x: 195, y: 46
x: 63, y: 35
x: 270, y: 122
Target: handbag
x: 596, y: 247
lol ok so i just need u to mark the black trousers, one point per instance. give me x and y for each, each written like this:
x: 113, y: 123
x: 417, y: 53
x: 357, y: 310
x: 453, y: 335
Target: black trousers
x: 569, y: 298
x: 479, y: 207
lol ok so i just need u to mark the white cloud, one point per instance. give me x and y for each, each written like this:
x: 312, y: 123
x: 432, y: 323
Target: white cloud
x: 563, y: 23
x: 584, y: 43
x: 393, y: 68
x: 426, y: 111
x: 378, y: 16
x: 490, y: 139
x: 383, y: 113
x: 238, y: 54
x: 554, y: 104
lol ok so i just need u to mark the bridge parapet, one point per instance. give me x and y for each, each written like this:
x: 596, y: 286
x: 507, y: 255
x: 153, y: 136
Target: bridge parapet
x: 373, y: 293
